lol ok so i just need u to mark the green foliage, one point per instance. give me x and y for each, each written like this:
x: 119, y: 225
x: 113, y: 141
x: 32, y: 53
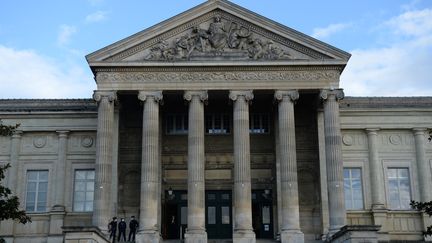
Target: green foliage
x: 425, y: 207
x: 9, y: 204
x: 6, y: 130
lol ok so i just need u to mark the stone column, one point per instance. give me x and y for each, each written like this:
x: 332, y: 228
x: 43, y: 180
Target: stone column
x: 278, y: 177
x: 60, y: 172
x: 14, y: 161
x: 149, y: 204
x: 58, y: 209
x: 7, y: 227
x: 333, y: 150
x: 196, y: 232
x: 243, y: 232
x: 290, y: 230
x: 379, y: 210
x: 423, y: 166
x: 103, y: 167
x: 376, y: 170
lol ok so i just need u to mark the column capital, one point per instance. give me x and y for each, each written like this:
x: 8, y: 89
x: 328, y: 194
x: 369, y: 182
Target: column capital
x: 247, y: 94
x: 62, y: 134
x: 110, y: 95
x: 419, y: 130
x: 329, y: 93
x: 157, y: 95
x: 292, y: 95
x: 17, y: 134
x: 202, y: 94
x: 372, y: 131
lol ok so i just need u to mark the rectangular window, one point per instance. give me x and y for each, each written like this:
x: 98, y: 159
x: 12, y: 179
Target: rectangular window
x: 217, y: 124
x: 37, y: 189
x: 399, y: 189
x: 353, y: 188
x: 83, y: 191
x: 259, y: 123
x: 176, y: 124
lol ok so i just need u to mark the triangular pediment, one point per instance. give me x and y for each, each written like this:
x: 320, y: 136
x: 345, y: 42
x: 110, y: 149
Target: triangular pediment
x: 217, y: 31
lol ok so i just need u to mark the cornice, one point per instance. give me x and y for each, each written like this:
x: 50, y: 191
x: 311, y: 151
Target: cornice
x: 214, y: 68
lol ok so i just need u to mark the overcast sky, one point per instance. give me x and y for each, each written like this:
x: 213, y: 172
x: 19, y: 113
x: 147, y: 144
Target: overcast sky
x: 43, y: 43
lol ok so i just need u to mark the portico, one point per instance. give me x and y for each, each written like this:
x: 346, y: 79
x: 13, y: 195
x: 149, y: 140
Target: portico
x: 214, y: 94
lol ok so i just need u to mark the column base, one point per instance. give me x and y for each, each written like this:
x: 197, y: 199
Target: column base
x: 196, y: 236
x: 148, y: 237
x: 244, y: 236
x: 292, y: 236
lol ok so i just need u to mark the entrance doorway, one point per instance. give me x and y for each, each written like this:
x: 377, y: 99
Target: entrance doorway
x: 175, y: 216
x: 262, y: 214
x: 219, y: 214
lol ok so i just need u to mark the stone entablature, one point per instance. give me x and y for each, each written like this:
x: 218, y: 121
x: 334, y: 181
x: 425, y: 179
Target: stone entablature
x: 217, y: 78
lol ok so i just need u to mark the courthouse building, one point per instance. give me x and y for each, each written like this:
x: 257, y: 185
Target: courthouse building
x: 219, y: 124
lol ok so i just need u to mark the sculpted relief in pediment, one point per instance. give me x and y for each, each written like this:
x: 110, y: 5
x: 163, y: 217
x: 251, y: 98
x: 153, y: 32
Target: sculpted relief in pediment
x: 221, y: 36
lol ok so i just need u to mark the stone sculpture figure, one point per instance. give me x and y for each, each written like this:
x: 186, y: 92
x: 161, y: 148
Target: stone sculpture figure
x: 238, y: 38
x: 217, y: 34
x: 220, y: 39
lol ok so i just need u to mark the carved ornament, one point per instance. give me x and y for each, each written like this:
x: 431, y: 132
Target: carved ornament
x: 292, y: 95
x: 181, y: 76
x: 247, y: 94
x: 220, y: 39
x: 338, y: 94
x: 99, y: 95
x: 203, y: 95
x: 157, y: 95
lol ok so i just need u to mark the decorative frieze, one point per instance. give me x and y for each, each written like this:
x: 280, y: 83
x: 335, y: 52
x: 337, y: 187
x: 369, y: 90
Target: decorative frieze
x: 209, y: 76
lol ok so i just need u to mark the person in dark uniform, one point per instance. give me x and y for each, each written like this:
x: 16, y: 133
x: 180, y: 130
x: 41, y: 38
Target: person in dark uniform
x: 133, y: 226
x: 112, y: 228
x: 122, y: 229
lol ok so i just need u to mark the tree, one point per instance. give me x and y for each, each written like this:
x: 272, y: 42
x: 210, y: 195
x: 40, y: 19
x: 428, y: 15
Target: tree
x: 425, y: 207
x: 9, y: 203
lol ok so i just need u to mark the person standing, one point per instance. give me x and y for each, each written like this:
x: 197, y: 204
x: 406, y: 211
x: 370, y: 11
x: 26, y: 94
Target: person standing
x: 133, y: 226
x: 112, y: 228
x: 122, y: 229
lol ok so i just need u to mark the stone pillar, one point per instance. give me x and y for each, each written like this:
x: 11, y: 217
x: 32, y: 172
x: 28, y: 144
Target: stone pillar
x: 149, y: 204
x: 243, y: 232
x: 103, y: 167
x: 14, y: 161
x: 278, y: 178
x: 7, y: 227
x: 376, y: 170
x: 196, y: 232
x: 60, y: 172
x: 290, y: 230
x: 333, y: 150
x: 58, y: 209
x: 379, y: 210
x: 423, y: 167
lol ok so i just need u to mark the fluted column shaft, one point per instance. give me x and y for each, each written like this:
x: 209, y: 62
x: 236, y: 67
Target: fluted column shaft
x: 423, y: 167
x: 196, y: 167
x: 103, y: 167
x: 149, y: 206
x: 59, y: 203
x: 14, y: 161
x: 333, y: 148
x: 376, y: 171
x: 243, y: 231
x: 290, y: 230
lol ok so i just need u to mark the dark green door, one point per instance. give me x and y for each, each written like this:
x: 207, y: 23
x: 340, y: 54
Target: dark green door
x: 262, y: 216
x: 219, y: 214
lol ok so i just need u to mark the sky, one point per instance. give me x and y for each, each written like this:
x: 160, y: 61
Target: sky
x: 43, y: 43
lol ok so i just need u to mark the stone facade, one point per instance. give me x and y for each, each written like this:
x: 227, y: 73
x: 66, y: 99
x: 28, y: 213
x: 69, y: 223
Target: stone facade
x: 219, y: 124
